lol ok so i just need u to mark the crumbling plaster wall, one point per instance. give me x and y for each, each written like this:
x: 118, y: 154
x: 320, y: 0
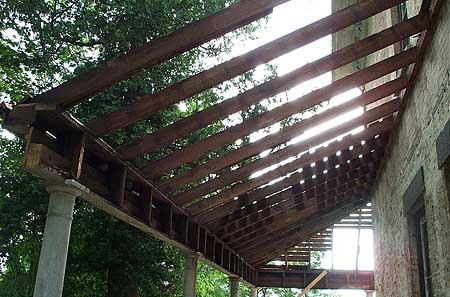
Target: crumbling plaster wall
x: 413, y: 146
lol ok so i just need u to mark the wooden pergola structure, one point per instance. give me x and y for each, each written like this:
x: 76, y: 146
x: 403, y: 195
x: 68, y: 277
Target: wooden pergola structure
x: 233, y: 222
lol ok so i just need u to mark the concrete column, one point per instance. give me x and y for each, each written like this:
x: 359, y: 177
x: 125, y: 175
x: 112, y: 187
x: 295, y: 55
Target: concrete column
x: 53, y: 257
x: 234, y: 286
x: 190, y: 274
x: 369, y: 293
x: 253, y: 292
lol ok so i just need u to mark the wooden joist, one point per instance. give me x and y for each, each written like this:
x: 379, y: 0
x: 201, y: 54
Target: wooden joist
x: 298, y: 207
x: 291, y: 199
x: 150, y: 104
x: 155, y: 52
x: 362, y: 280
x: 281, y: 155
x: 264, y: 249
x: 256, y: 200
x: 280, y: 84
x: 273, y: 243
x: 354, y: 80
x: 198, y: 149
x: 297, y: 129
x: 343, y: 145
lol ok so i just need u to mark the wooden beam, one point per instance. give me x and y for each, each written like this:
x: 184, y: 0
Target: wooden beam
x: 298, y: 128
x: 52, y: 165
x: 258, y: 194
x: 312, y: 283
x: 362, y: 280
x: 289, y: 199
x: 198, y: 149
x: 232, y: 210
x: 310, y: 203
x: 280, y: 84
x: 266, y: 248
x: 155, y: 52
x: 354, y: 80
x: 281, y: 155
x: 150, y: 104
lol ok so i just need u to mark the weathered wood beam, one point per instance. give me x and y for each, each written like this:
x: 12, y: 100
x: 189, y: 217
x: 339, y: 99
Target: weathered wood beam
x: 280, y: 84
x: 259, y: 194
x: 354, y: 80
x: 362, y: 280
x: 207, y: 79
x: 155, y: 52
x: 262, y: 197
x: 297, y: 129
x: 289, y: 199
x: 308, y: 204
x: 281, y: 155
x: 113, y: 190
x: 266, y: 248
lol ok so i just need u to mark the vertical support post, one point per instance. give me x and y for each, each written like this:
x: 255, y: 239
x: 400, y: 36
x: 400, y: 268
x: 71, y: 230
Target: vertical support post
x: 190, y: 275
x: 53, y: 257
x: 358, y: 247
x: 234, y: 286
x: 253, y: 292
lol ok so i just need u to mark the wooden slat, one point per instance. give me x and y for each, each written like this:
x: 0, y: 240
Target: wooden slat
x: 281, y: 155
x: 298, y: 128
x: 258, y: 202
x: 284, y: 199
x: 268, y: 247
x: 233, y: 205
x: 232, y: 210
x: 265, y: 239
x: 302, y: 205
x: 150, y: 104
x: 156, y: 51
x: 362, y: 280
x: 196, y: 150
x: 333, y: 61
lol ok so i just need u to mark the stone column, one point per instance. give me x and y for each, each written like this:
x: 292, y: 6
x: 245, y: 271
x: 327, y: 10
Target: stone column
x: 369, y: 293
x: 190, y: 274
x: 234, y: 286
x: 53, y: 257
x: 253, y: 292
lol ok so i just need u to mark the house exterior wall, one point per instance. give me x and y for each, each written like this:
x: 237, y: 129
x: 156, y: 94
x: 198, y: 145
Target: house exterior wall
x: 413, y: 146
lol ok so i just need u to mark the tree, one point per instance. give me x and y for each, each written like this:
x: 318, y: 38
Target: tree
x: 45, y: 42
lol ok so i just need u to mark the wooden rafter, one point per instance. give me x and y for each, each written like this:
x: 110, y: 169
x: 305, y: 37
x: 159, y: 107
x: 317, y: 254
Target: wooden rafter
x: 156, y: 52
x: 317, y: 157
x: 273, y: 87
x: 355, y: 80
x: 300, y: 127
x: 281, y: 155
x: 230, y: 69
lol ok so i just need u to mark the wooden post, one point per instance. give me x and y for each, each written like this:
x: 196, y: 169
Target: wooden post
x: 312, y: 284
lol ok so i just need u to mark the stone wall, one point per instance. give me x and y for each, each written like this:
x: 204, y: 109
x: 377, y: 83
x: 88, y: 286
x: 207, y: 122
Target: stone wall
x: 413, y: 146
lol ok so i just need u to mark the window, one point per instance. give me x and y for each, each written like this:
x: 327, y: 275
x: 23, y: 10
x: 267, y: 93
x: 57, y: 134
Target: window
x: 413, y: 204
x: 421, y: 248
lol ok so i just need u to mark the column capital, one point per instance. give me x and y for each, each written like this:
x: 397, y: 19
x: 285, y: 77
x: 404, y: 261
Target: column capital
x: 69, y: 187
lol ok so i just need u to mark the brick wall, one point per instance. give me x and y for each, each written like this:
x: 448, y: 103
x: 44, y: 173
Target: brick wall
x: 413, y: 146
